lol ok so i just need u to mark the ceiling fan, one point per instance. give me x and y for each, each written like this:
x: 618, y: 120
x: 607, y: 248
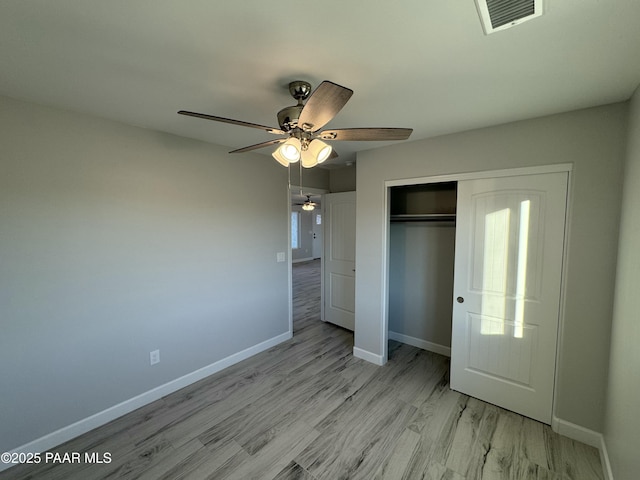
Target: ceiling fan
x: 308, y: 205
x: 301, y: 125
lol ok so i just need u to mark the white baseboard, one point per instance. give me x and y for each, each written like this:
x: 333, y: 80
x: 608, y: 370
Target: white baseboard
x: 299, y: 260
x: 576, y: 432
x: 80, y: 427
x: 418, y: 342
x: 368, y: 356
x: 604, y: 457
x: 584, y: 435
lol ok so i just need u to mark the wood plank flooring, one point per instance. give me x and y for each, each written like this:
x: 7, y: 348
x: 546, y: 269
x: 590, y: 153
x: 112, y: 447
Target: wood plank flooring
x: 307, y: 409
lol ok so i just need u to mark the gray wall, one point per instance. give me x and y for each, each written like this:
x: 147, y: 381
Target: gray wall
x: 115, y: 241
x: 421, y: 258
x: 316, y: 177
x: 622, y: 426
x: 342, y: 179
x: 594, y: 140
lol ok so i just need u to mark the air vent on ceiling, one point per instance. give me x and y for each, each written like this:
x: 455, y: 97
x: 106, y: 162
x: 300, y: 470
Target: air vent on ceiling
x: 501, y: 14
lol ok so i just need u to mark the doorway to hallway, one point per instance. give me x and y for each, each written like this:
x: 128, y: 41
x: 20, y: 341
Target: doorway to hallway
x: 306, y: 294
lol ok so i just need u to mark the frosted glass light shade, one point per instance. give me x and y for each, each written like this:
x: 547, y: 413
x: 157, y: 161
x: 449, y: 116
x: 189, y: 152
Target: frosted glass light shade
x: 319, y: 150
x: 308, y: 160
x: 288, y: 152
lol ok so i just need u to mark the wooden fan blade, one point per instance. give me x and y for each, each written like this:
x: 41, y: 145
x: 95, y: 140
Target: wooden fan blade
x: 275, y: 131
x: 259, y: 145
x: 366, y: 134
x: 323, y: 104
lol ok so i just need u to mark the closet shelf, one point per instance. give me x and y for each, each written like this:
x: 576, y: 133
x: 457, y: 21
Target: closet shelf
x: 423, y: 217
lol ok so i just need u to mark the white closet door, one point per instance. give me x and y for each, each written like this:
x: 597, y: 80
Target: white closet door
x: 508, y: 267
x: 340, y: 258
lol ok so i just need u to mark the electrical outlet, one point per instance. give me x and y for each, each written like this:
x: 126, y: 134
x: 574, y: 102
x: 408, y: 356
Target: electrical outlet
x: 280, y: 257
x: 154, y: 357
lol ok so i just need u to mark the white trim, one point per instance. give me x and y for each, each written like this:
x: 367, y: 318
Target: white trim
x: 584, y: 435
x: 604, y: 458
x: 368, y: 356
x: 418, y: 342
x: 80, y: 427
x: 507, y: 172
x: 563, y: 289
x: 324, y: 244
x: 384, y: 298
x: 576, y: 432
x: 289, y: 259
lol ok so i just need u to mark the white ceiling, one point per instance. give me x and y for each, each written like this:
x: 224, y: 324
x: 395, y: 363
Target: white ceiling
x: 422, y: 64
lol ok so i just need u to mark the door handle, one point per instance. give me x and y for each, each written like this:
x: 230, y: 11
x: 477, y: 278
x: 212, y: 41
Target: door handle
x: 460, y: 300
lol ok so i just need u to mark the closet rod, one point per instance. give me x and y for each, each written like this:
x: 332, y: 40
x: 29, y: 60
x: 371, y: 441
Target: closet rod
x: 424, y: 217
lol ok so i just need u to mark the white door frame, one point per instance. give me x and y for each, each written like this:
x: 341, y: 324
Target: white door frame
x: 561, y: 167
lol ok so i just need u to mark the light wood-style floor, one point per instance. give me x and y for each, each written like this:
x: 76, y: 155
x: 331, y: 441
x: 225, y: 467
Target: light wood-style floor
x: 307, y: 409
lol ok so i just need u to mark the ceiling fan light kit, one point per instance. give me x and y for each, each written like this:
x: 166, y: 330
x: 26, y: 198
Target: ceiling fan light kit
x: 302, y: 124
x: 288, y: 152
x: 310, y: 153
x: 308, y: 205
x: 315, y: 152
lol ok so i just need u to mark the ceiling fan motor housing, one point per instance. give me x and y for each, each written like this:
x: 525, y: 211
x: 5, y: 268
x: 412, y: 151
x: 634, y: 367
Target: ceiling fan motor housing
x: 299, y: 90
x: 288, y: 117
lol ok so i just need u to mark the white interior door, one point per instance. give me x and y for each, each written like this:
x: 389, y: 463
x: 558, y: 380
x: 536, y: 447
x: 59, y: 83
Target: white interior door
x: 317, y: 234
x: 339, y: 258
x: 508, y: 267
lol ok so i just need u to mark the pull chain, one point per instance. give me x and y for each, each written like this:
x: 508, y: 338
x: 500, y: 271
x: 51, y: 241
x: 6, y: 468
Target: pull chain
x: 300, y: 166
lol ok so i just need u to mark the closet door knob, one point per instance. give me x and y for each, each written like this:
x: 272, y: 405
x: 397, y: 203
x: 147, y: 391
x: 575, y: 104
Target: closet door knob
x: 460, y: 300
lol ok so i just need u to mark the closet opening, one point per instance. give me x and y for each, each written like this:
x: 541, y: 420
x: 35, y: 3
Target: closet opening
x: 422, y: 227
